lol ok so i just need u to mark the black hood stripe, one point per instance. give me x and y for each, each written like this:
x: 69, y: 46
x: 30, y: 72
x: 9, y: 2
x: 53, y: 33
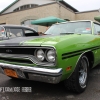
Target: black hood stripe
x: 16, y: 41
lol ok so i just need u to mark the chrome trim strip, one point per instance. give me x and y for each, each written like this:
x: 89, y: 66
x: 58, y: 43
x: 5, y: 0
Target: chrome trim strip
x: 4, y: 55
x: 32, y: 69
x: 28, y: 46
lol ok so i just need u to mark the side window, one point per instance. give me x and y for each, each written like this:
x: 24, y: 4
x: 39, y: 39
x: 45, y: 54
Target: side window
x: 96, y: 29
x: 14, y: 32
x: 30, y: 32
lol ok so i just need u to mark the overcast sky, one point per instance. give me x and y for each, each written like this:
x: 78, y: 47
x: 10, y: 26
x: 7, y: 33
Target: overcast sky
x: 81, y: 5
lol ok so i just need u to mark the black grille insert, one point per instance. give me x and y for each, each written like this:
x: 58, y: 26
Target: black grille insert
x: 17, y: 60
x: 17, y: 50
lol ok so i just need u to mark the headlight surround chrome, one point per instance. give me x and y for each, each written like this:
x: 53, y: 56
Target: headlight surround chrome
x: 40, y: 55
x: 51, y: 56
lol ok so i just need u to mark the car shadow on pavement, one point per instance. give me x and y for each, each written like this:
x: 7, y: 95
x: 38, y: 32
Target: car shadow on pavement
x: 40, y: 90
x: 46, y: 91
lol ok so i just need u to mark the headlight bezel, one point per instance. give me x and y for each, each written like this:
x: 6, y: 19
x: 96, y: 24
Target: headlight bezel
x: 46, y: 61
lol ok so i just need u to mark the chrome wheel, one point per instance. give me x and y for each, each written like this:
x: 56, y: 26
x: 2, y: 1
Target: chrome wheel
x: 83, y: 71
x: 78, y: 81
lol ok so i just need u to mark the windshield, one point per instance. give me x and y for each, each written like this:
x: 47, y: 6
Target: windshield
x: 82, y: 27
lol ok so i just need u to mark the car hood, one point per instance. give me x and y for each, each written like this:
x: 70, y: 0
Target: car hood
x: 37, y: 40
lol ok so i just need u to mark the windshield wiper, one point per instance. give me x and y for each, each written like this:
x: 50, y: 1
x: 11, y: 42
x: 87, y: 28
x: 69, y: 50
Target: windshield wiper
x: 67, y: 33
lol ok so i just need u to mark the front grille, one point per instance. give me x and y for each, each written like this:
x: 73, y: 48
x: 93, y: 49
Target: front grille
x: 16, y: 54
x: 22, y: 55
x: 17, y: 50
x: 27, y: 61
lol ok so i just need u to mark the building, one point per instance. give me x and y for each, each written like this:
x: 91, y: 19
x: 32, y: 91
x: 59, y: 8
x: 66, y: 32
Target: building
x: 23, y: 12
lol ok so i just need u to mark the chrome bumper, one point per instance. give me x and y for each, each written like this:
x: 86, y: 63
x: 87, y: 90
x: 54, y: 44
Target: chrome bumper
x: 34, y: 73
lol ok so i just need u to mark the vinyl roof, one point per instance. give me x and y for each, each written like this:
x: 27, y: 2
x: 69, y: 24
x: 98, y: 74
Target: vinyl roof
x: 16, y: 26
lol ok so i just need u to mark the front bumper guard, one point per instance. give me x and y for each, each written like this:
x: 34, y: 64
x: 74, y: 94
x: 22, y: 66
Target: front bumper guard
x: 34, y: 73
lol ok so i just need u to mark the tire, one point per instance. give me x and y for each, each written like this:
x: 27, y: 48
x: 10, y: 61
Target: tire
x: 77, y: 82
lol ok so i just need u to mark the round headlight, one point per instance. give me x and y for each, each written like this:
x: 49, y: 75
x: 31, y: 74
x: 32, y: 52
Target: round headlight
x: 40, y: 55
x: 51, y: 56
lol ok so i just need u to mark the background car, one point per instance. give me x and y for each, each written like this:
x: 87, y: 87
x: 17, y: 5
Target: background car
x: 12, y: 31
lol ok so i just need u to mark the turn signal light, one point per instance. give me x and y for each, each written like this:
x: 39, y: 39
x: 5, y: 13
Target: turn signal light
x: 68, y: 68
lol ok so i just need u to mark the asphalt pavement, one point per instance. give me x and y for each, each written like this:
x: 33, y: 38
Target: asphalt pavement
x: 31, y: 90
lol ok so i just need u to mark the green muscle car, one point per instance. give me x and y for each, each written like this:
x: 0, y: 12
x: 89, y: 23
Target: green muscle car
x: 66, y: 52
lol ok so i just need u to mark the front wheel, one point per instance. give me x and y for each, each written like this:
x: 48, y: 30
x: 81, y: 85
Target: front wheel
x: 77, y: 82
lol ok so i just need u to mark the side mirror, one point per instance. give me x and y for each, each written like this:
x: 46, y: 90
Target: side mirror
x: 98, y: 31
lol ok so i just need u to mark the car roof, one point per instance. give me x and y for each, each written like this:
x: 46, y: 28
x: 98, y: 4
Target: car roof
x: 18, y: 26
x: 75, y: 21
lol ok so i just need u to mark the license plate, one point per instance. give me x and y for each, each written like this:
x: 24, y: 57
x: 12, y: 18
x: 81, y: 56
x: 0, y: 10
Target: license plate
x: 10, y: 72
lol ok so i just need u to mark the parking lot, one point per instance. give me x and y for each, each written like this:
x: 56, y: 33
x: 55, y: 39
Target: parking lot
x: 45, y: 91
